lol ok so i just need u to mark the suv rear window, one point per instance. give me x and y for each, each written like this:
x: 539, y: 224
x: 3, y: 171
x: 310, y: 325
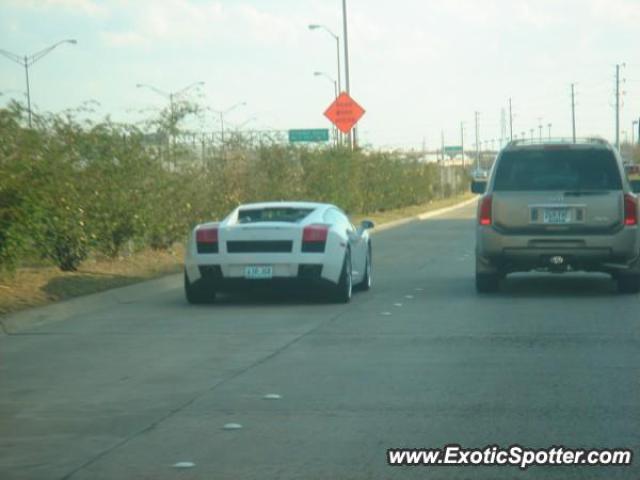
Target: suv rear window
x: 279, y: 214
x: 565, y: 169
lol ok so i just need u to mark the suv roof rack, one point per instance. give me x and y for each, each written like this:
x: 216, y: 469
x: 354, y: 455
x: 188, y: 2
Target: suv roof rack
x: 523, y: 142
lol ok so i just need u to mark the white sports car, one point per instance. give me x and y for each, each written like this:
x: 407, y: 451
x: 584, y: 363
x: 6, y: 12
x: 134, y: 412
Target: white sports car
x: 288, y: 243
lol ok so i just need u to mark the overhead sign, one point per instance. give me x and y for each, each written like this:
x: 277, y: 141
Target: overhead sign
x: 344, y: 112
x: 453, y: 149
x: 309, y: 135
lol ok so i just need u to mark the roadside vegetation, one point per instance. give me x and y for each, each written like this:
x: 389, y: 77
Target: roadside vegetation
x: 75, y: 192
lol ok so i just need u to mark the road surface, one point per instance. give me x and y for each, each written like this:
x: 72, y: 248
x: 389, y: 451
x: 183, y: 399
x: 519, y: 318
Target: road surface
x: 131, y: 389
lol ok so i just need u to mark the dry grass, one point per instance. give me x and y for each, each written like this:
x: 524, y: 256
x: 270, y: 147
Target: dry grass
x: 390, y: 215
x: 31, y: 287
x: 35, y: 286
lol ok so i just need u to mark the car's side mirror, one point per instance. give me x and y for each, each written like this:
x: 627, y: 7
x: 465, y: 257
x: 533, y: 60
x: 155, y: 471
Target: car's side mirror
x: 478, y: 186
x: 366, y: 225
x: 635, y: 185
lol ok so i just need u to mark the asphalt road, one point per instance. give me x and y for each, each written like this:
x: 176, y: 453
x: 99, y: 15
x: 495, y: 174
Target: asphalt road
x: 130, y: 389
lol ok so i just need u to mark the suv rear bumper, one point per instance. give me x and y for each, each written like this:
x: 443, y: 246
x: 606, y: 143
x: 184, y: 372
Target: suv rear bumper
x: 609, y: 253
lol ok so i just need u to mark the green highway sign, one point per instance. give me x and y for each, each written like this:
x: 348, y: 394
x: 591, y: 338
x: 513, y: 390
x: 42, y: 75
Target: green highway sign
x: 309, y: 135
x: 453, y: 149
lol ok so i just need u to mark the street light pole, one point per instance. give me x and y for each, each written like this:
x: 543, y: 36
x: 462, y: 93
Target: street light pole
x: 549, y: 126
x: 222, y: 113
x: 27, y: 60
x: 171, y: 96
x: 345, y: 41
x: 337, y: 39
x: 336, y: 132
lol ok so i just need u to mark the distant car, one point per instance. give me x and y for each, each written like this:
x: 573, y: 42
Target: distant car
x: 559, y: 207
x: 479, y: 174
x: 313, y: 245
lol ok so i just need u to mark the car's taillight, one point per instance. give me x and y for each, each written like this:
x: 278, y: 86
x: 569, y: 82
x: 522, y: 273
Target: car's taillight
x: 630, y: 210
x: 314, y: 238
x: 484, y: 213
x: 207, y: 240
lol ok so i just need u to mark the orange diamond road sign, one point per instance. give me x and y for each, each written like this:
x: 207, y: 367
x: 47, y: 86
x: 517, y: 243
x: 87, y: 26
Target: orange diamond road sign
x: 344, y: 112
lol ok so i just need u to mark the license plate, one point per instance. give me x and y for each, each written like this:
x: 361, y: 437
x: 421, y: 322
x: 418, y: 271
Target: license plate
x: 258, y: 272
x: 556, y: 216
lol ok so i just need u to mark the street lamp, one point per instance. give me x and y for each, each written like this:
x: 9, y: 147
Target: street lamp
x: 222, y: 113
x: 27, y: 60
x: 328, y: 77
x: 336, y: 133
x: 337, y: 39
x: 171, y: 96
x: 549, y: 127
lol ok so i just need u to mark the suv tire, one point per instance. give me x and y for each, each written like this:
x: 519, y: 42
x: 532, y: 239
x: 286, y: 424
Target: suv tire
x: 487, y: 282
x: 629, y: 282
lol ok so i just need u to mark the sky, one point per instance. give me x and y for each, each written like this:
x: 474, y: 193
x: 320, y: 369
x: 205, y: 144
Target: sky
x: 419, y: 68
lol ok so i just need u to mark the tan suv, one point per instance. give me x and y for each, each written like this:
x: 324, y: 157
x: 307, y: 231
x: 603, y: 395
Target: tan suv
x: 557, y: 206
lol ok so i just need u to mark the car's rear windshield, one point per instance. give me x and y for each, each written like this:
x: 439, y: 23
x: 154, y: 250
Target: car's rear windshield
x: 273, y: 214
x: 562, y: 169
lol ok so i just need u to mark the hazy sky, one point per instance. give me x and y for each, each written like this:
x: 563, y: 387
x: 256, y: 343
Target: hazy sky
x: 417, y: 66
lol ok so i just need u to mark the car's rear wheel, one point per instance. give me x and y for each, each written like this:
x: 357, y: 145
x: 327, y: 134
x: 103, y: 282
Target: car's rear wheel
x: 488, y: 276
x: 367, y: 280
x: 198, y: 292
x: 487, y: 282
x: 628, y: 282
x: 344, y: 289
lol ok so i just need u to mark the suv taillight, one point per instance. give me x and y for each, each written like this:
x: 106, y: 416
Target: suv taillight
x: 484, y: 212
x: 314, y: 238
x: 207, y: 240
x: 630, y: 209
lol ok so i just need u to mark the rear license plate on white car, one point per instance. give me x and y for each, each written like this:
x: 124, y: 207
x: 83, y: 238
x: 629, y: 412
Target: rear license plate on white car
x: 258, y: 272
x: 556, y: 216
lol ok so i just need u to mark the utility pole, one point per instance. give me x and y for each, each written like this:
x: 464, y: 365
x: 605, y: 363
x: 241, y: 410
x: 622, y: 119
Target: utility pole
x: 510, y: 121
x: 532, y: 130
x: 462, y: 142
x: 477, y: 142
x: 618, y: 107
x: 442, y: 146
x: 549, y: 126
x: 345, y: 40
x: 573, y: 111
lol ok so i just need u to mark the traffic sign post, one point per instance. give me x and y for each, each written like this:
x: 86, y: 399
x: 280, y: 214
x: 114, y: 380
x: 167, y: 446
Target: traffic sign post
x: 309, y: 135
x: 344, y: 112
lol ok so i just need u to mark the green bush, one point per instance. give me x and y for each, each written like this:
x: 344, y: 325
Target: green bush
x: 69, y: 189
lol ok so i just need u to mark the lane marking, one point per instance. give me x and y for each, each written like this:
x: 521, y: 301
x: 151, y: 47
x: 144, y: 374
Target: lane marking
x: 272, y: 396
x: 232, y: 426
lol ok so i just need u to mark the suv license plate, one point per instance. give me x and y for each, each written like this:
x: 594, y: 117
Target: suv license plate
x: 556, y: 216
x: 258, y: 272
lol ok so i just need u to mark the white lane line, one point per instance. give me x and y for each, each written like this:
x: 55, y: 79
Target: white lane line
x: 272, y: 396
x: 408, y: 296
x: 397, y: 304
x: 184, y: 465
x: 232, y: 426
x: 386, y: 314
